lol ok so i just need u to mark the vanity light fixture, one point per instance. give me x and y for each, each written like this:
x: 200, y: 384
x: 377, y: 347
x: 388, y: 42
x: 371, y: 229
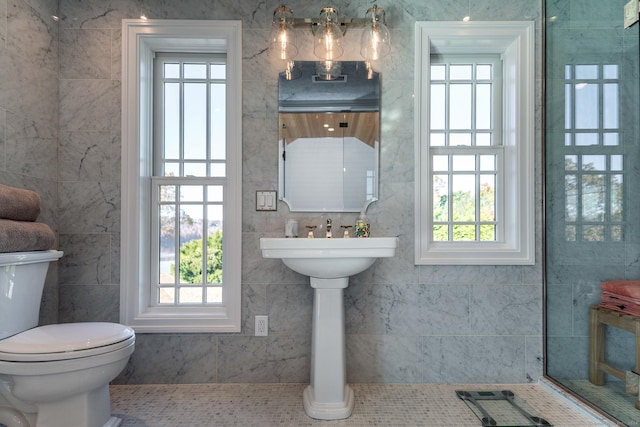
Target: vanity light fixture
x: 283, y: 38
x: 328, y: 33
x: 327, y: 39
x: 375, y: 42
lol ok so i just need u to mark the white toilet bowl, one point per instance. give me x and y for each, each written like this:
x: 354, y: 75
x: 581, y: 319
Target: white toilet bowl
x: 58, y: 375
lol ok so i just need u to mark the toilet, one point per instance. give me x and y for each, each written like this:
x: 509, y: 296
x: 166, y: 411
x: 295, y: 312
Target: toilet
x: 53, y: 375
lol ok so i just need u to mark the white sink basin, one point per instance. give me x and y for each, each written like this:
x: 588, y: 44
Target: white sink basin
x: 328, y: 258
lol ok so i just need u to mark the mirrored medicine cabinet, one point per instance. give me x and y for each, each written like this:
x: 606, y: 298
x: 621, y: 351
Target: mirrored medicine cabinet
x: 329, y: 136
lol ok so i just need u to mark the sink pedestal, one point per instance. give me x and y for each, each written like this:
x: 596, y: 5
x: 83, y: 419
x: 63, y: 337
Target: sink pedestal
x: 329, y: 263
x: 328, y: 397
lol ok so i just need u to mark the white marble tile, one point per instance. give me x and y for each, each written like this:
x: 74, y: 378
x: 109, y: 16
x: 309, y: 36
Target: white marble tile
x: 383, y: 358
x: 89, y: 207
x: 506, y: 309
x: 474, y: 359
x: 89, y: 105
x: 177, y: 359
x: 85, y: 54
x: 86, y: 260
x: 86, y: 302
x: 85, y: 156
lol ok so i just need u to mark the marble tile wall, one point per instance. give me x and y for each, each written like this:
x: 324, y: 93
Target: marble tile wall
x: 29, y: 112
x: 405, y: 323
x: 588, y: 32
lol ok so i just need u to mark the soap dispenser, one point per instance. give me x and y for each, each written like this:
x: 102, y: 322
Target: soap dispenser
x: 362, y: 226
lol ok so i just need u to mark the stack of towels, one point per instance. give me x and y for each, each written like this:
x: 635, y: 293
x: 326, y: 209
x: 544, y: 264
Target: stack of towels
x: 621, y: 295
x: 18, y: 230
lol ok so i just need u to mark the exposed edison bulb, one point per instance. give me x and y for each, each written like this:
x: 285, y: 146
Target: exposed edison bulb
x: 375, y: 42
x: 328, y: 36
x: 283, y: 41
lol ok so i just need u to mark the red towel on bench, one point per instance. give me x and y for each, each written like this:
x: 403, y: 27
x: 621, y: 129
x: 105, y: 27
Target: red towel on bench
x: 627, y: 288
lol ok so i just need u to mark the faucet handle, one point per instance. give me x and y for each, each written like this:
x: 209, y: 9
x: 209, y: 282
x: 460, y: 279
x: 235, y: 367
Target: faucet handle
x: 310, y: 232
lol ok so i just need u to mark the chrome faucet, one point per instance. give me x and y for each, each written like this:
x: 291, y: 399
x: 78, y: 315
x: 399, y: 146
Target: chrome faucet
x: 329, y: 222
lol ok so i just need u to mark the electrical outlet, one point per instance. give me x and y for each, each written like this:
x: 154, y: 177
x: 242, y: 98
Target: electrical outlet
x: 262, y: 326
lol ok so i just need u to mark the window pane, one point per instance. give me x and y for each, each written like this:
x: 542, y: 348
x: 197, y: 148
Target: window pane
x: 584, y: 139
x: 593, y: 197
x: 191, y: 295
x: 172, y: 71
x: 571, y: 198
x: 464, y: 232
x: 487, y: 162
x: 483, y: 139
x: 195, y: 169
x: 610, y: 71
x: 171, y: 169
x: 464, y: 198
x: 571, y: 162
x: 440, y: 197
x: 587, y: 110
x: 214, y: 245
x: 218, y: 121
x: 167, y: 193
x: 487, y: 233
x: 487, y: 197
x: 436, y: 140
x: 437, y: 110
x: 483, y: 71
x: 594, y: 163
x: 218, y: 71
x: 460, y: 106
x: 214, y: 193
x: 195, y: 120
x: 483, y: 106
x: 586, y: 71
x: 171, y: 120
x: 616, y: 162
x: 166, y: 295
x: 459, y: 139
x: 610, y: 138
x: 440, y: 163
x: 460, y: 72
x: 610, y: 106
x: 616, y: 198
x: 568, y: 106
x: 214, y: 294
x: 440, y: 233
x: 195, y: 71
x: 191, y: 193
x: 217, y: 170
x: 438, y: 72
x: 593, y: 233
x: 464, y: 163
x: 167, y: 243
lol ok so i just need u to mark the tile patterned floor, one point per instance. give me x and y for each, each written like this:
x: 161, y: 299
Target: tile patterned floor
x: 268, y: 405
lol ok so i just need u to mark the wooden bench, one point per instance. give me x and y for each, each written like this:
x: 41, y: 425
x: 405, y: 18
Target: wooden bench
x: 598, y: 318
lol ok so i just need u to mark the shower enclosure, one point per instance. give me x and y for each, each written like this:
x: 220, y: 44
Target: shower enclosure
x: 592, y: 188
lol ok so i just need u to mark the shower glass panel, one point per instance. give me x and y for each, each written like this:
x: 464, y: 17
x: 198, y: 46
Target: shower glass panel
x: 592, y: 153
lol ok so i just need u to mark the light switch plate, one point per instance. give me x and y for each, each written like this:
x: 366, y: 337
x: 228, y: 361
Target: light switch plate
x: 631, y: 13
x: 266, y: 200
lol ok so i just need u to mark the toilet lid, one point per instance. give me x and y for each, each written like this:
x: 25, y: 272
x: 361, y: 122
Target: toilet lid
x: 65, y: 338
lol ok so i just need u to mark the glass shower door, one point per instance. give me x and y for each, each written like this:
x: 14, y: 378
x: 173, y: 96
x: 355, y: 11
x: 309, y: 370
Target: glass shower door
x: 592, y: 182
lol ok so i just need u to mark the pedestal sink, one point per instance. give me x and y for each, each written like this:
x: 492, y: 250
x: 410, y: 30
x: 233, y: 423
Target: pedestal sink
x: 328, y: 263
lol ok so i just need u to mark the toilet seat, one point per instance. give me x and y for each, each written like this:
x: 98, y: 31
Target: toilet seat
x: 65, y: 341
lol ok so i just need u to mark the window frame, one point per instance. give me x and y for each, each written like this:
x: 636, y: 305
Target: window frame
x: 141, y: 39
x: 514, y: 42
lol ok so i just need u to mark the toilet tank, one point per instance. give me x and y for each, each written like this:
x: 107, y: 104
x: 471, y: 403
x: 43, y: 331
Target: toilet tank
x: 22, y: 276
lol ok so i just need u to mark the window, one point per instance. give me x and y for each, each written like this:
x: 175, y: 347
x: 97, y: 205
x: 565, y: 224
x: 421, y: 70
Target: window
x: 465, y: 148
x: 181, y: 176
x: 593, y: 165
x: 474, y: 143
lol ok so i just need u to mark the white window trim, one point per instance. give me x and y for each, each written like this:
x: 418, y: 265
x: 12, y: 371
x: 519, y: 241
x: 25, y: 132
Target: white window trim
x: 140, y: 40
x: 514, y: 41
